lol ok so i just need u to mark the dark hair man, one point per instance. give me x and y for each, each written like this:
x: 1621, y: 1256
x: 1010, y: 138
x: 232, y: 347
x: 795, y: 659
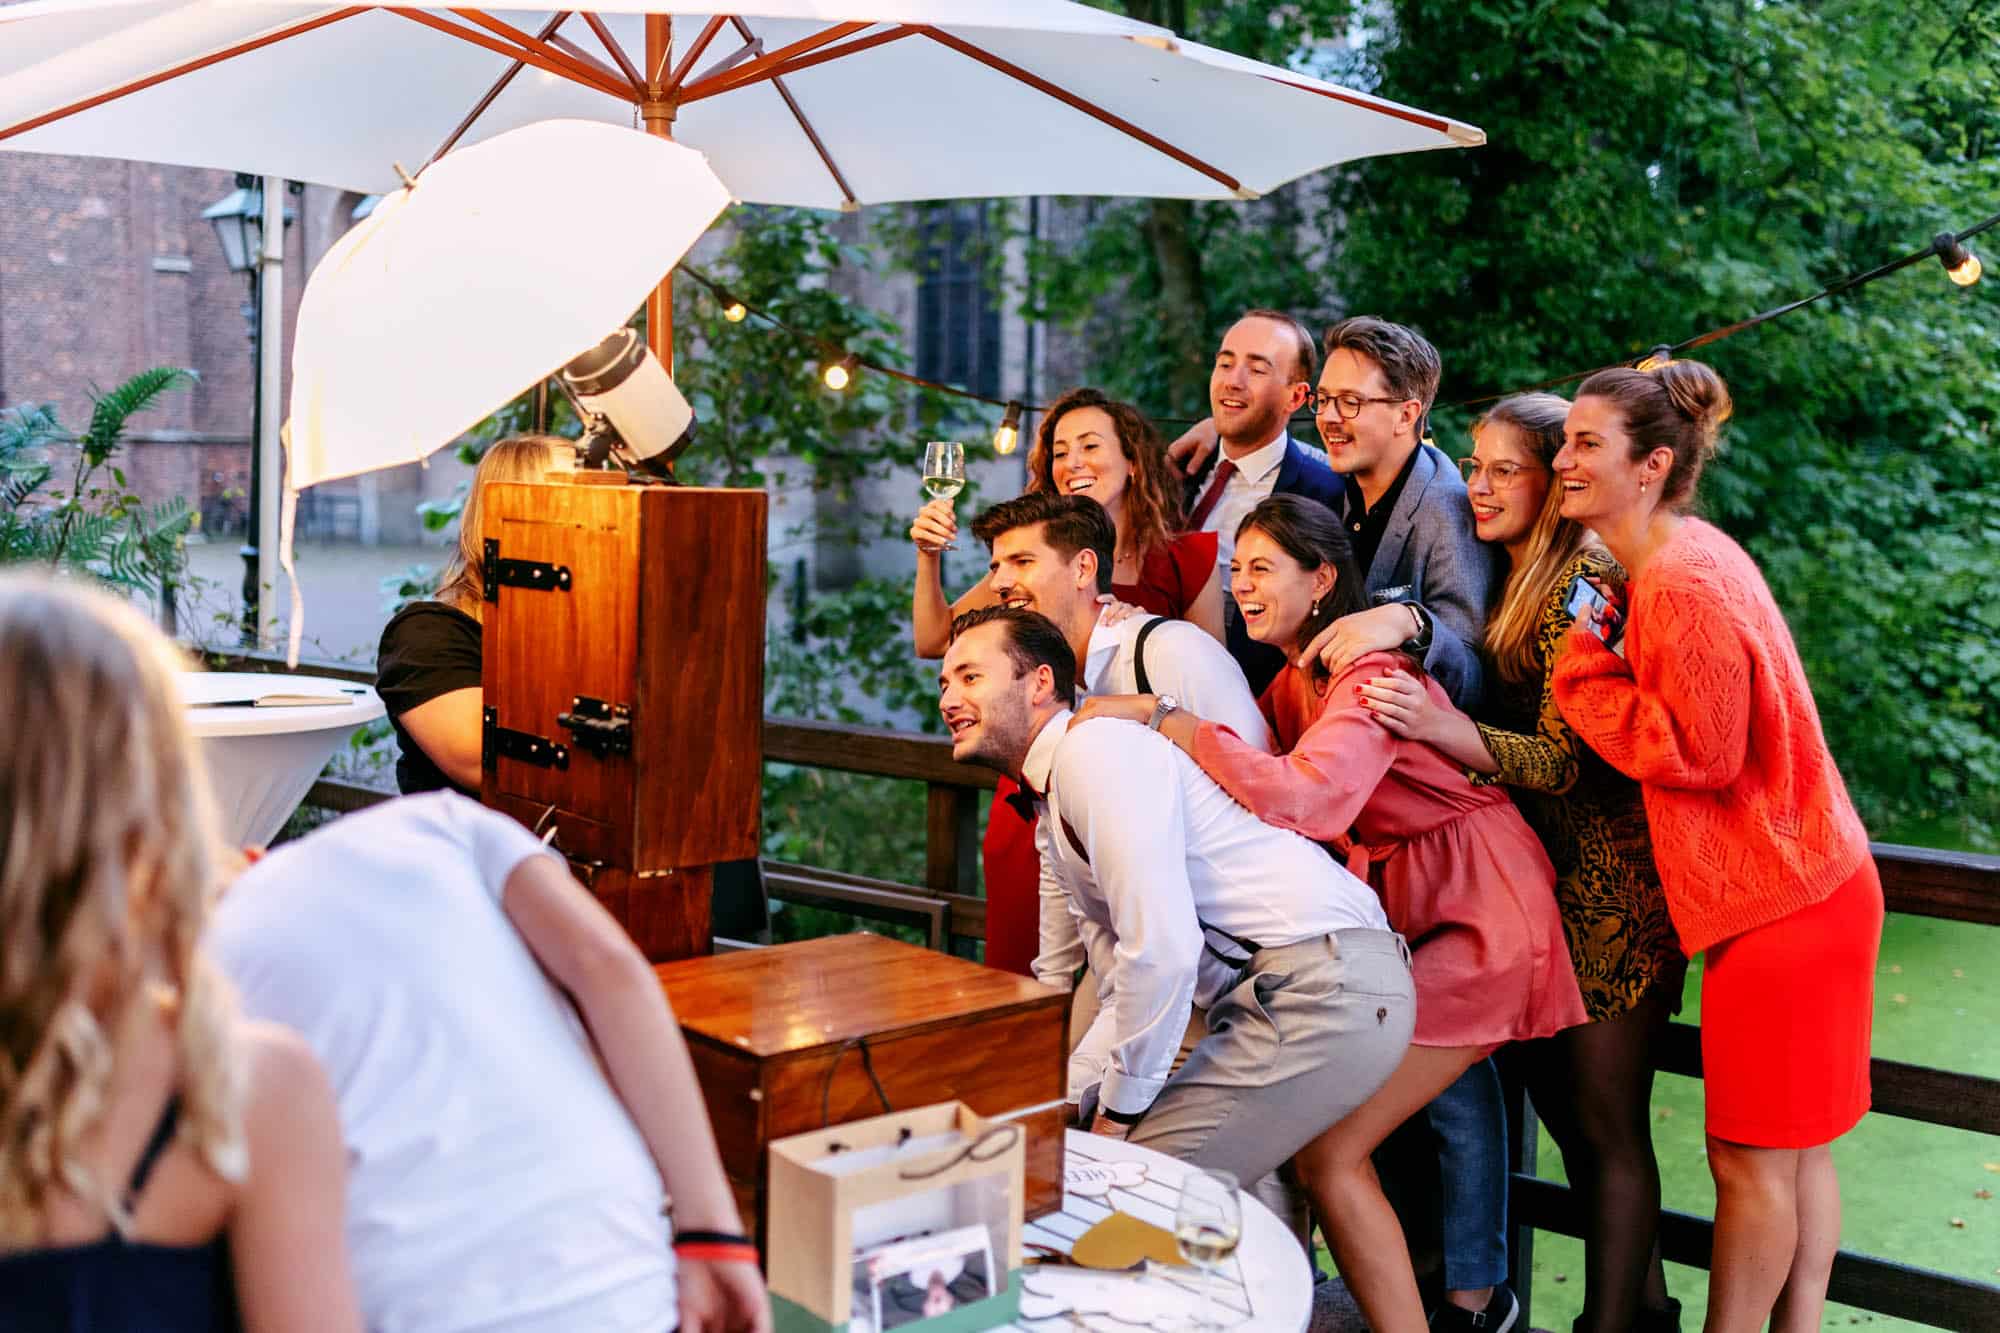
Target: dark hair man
x: 1185, y: 898
x: 1052, y: 555
x: 1263, y: 373
x: 1430, y: 578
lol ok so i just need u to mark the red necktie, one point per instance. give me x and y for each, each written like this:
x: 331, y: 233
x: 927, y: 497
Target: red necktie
x: 1218, y: 482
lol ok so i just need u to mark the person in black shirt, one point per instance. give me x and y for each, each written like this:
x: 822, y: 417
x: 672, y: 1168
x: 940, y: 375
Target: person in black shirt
x: 428, y: 666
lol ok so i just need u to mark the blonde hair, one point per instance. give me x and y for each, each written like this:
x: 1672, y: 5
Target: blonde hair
x: 1552, y: 543
x: 107, y: 860
x: 462, y: 586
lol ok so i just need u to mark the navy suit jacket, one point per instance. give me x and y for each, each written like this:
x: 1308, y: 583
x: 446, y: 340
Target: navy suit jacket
x: 1430, y: 555
x: 1304, y: 472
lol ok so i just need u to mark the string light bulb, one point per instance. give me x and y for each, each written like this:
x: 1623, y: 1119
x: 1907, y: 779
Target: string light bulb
x: 1008, y: 437
x: 1656, y: 358
x: 839, y: 374
x: 1960, y: 264
x: 735, y: 311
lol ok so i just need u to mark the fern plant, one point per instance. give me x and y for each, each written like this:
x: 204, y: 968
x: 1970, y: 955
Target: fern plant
x: 103, y: 531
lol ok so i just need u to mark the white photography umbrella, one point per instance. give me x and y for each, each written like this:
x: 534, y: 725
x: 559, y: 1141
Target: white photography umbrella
x: 462, y: 289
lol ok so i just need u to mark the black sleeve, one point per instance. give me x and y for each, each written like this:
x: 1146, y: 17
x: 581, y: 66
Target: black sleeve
x: 427, y: 650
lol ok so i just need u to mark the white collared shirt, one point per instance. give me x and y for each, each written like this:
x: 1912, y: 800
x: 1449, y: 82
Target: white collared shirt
x: 1162, y: 859
x: 1182, y: 660
x: 1256, y: 476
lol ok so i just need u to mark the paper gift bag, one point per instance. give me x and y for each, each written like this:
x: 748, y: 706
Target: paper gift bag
x: 906, y: 1221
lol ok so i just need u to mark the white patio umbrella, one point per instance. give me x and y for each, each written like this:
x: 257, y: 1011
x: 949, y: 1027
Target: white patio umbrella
x: 825, y: 103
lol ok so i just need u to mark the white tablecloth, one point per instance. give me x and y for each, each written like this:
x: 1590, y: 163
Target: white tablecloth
x: 1266, y: 1285
x: 262, y: 761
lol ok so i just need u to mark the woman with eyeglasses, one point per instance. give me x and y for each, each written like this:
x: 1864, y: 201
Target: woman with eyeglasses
x: 1592, y: 1084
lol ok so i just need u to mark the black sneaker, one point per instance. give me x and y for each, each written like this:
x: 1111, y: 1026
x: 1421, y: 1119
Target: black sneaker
x: 1498, y: 1317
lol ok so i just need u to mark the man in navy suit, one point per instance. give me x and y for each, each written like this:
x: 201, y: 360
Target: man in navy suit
x: 1263, y: 373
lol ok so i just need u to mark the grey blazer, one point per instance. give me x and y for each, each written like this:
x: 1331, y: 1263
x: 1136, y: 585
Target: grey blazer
x: 1429, y: 555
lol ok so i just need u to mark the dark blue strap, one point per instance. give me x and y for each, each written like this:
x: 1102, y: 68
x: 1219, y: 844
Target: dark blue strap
x: 163, y: 1134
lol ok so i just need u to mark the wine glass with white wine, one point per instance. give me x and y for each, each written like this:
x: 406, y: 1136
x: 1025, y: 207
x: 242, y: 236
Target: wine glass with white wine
x: 1207, y: 1225
x: 944, y: 471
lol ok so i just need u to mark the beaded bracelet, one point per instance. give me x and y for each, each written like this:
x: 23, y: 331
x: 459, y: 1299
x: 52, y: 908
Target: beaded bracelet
x: 715, y: 1247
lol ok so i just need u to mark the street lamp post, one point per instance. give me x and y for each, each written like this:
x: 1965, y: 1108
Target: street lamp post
x: 238, y: 219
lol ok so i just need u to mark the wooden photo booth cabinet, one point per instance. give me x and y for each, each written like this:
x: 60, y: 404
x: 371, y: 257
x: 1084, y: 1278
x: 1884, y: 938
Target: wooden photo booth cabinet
x: 623, y: 680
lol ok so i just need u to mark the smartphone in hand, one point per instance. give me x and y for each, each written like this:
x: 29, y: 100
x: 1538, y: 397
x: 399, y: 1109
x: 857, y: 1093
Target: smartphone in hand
x: 1600, y: 614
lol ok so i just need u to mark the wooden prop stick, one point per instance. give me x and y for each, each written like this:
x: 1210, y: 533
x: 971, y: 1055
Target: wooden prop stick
x: 556, y: 20
x: 616, y: 52
x: 819, y: 57
x: 1088, y: 108
x: 498, y: 47
x: 849, y: 202
x: 584, y: 68
x: 708, y: 31
x: 764, y: 65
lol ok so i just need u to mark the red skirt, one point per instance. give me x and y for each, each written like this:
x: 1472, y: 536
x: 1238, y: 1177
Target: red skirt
x: 1013, y: 887
x: 1787, y: 1011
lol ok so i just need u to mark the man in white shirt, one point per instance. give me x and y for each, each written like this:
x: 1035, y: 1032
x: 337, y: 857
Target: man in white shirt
x: 1185, y: 898
x: 1263, y: 373
x: 509, y: 1164
x: 1052, y: 554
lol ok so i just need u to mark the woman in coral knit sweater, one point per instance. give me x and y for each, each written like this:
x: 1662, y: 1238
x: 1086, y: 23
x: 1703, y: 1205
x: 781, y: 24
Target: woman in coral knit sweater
x: 1763, y: 859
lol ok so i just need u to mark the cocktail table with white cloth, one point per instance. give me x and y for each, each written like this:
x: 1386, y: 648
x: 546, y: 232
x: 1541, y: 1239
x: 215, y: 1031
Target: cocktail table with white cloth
x: 262, y: 751
x: 1267, y: 1285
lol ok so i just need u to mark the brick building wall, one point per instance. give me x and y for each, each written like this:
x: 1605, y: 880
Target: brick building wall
x: 107, y: 268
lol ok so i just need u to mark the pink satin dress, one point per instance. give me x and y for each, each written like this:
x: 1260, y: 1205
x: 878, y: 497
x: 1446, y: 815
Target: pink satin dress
x: 1461, y: 875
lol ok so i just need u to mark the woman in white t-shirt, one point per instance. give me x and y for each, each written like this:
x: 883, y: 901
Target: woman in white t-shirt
x: 462, y: 989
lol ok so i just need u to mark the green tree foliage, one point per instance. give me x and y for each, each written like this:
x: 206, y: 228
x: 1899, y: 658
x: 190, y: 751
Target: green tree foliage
x: 1661, y: 167
x: 89, y: 527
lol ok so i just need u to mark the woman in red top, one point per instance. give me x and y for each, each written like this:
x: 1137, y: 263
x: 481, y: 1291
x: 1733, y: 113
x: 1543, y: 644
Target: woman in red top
x: 1764, y: 862
x: 1092, y: 445
x: 1462, y: 877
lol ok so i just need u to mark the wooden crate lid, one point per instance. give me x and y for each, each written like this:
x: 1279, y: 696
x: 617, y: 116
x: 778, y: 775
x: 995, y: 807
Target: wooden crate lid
x: 815, y: 993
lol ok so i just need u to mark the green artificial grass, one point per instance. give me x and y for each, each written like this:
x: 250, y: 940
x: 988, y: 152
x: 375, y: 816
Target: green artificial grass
x: 1910, y: 1192
x: 1918, y: 1194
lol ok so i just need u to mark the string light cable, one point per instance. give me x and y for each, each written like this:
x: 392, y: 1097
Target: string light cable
x: 838, y: 371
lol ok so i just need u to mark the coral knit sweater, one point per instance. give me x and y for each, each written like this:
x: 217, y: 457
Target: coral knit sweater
x: 1710, y: 711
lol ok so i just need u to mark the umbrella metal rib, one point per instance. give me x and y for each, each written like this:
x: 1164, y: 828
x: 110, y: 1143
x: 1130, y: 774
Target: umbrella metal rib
x: 812, y: 135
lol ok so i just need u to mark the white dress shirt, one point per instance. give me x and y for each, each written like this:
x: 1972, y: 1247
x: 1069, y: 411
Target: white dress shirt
x: 1164, y: 871
x: 1256, y: 476
x: 1183, y: 660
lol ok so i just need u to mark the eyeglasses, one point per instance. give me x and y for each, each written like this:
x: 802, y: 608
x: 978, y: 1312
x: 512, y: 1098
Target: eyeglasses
x: 1501, y: 476
x: 1348, y: 405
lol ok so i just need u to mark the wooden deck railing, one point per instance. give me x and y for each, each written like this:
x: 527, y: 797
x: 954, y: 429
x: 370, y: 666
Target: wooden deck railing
x: 1916, y: 881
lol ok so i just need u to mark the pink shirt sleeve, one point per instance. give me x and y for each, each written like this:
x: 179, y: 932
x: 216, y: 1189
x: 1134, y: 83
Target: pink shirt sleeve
x: 1321, y: 786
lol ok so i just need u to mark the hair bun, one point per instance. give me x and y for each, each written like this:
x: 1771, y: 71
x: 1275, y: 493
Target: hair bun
x: 1700, y: 395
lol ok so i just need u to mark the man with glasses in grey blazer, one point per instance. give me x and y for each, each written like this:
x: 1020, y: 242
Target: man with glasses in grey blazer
x: 1429, y: 577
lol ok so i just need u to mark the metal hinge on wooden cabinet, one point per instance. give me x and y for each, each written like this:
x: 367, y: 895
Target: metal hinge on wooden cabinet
x: 497, y: 743
x: 596, y: 727
x: 534, y: 574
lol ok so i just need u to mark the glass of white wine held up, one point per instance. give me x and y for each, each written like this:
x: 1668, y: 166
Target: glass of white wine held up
x: 944, y: 471
x: 1207, y: 1226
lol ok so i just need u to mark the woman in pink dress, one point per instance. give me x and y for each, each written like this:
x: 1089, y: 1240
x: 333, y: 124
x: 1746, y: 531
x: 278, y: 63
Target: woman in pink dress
x: 1461, y: 875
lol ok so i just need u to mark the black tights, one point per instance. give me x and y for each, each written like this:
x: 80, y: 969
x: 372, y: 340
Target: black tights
x: 1593, y: 1087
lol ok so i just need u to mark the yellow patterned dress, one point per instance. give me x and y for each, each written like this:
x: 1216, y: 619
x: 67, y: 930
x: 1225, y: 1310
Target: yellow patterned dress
x: 1591, y: 821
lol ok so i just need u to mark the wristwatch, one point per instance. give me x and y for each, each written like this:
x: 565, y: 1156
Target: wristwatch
x: 1419, y: 644
x: 1166, y: 704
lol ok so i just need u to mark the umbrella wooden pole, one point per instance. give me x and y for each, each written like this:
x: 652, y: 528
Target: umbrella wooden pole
x: 657, y: 111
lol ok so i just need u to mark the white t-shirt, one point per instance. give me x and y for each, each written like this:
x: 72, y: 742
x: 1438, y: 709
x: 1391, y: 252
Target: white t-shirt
x: 495, y: 1181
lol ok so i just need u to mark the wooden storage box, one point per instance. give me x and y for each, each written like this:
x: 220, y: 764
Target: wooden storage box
x: 778, y: 1037
x: 623, y: 678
